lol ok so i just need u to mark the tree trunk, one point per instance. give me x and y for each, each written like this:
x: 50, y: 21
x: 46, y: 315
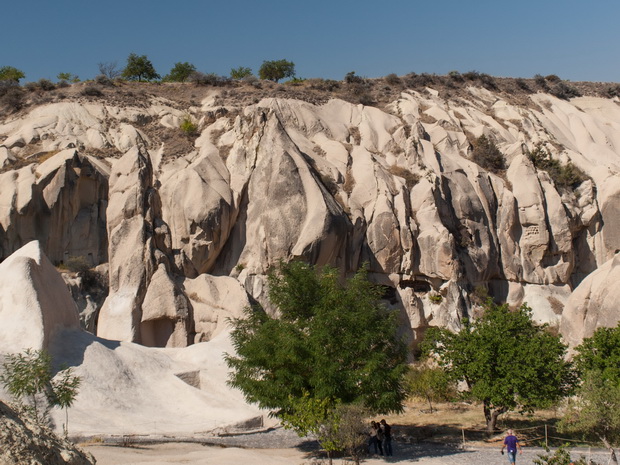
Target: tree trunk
x: 612, y: 452
x: 329, y: 456
x: 491, y: 415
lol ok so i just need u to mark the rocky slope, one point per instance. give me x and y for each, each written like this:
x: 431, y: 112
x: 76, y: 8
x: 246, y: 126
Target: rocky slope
x: 188, y: 226
x: 25, y: 442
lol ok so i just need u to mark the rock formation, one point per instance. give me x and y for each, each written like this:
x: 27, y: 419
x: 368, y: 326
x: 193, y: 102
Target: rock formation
x: 25, y: 442
x: 330, y: 182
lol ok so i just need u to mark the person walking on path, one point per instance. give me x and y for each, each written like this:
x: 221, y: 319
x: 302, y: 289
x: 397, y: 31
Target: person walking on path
x: 511, y: 443
x: 387, y: 438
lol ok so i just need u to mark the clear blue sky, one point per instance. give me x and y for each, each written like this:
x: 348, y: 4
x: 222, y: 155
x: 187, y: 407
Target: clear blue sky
x: 576, y: 40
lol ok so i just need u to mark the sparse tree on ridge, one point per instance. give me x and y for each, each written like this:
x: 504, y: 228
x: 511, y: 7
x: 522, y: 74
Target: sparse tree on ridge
x: 180, y: 72
x: 506, y: 360
x: 276, y: 70
x: 109, y: 69
x: 9, y: 73
x: 139, y: 67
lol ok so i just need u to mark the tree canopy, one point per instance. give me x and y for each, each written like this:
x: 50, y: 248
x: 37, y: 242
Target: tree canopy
x: 594, y: 409
x: 9, y: 73
x: 506, y: 360
x: 333, y: 344
x: 139, y: 68
x: 180, y: 72
x: 276, y: 70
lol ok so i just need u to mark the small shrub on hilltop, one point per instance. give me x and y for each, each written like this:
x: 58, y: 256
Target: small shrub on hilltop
x: 180, y: 72
x: 240, y: 72
x: 393, y: 80
x: 352, y: 78
x: 487, y: 155
x: 11, y: 96
x: 541, y: 82
x: 455, y: 76
x: 564, y: 91
x: 90, y: 91
x: 204, y: 79
x: 68, y: 77
x: 563, y: 176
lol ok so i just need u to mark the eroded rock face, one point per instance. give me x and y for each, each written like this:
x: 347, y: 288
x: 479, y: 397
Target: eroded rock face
x: 22, y: 441
x: 62, y: 203
x: 336, y: 184
x: 34, y: 302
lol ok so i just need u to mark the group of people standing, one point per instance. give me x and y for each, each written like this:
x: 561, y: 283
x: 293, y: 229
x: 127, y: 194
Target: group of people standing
x: 380, y: 438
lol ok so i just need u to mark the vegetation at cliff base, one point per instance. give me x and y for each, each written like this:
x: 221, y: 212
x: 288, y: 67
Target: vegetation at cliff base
x: 333, y: 344
x: 506, y: 361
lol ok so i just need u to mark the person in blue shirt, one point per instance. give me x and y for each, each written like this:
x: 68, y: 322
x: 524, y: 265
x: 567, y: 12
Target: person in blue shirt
x: 511, y: 443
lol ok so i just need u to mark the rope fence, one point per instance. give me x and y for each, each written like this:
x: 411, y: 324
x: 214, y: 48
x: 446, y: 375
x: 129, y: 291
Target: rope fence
x: 526, y: 438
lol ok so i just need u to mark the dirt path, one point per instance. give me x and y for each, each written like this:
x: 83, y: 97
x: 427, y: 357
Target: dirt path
x: 201, y: 454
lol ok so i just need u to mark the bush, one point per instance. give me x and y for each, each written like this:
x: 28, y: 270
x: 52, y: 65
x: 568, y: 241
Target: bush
x: 455, y: 76
x: 91, y: 91
x: 564, y: 91
x: 276, y: 70
x: 45, y: 84
x: 9, y: 73
x: 521, y: 84
x: 210, y: 79
x: 393, y: 80
x: 352, y: 78
x: 613, y: 91
x: 541, y: 82
x: 103, y: 80
x: 240, y: 72
x: 68, y: 77
x: 11, y: 96
x: 487, y: 155
x: 563, y: 176
x: 180, y: 72
x: 411, y: 179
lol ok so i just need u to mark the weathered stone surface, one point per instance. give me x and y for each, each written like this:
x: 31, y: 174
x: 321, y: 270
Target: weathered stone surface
x: 334, y: 183
x: 593, y: 303
x: 34, y: 301
x: 24, y: 442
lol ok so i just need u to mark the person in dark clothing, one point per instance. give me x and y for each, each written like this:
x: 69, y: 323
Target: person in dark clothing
x: 375, y: 438
x: 387, y: 438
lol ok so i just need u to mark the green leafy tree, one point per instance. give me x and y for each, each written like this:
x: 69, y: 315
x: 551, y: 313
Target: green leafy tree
x: 506, y: 360
x: 180, y: 72
x: 276, y: 70
x: 139, y: 68
x: 332, y: 344
x: 594, y: 410
x: 28, y: 377
x: 431, y: 384
x: 240, y: 72
x: 9, y: 73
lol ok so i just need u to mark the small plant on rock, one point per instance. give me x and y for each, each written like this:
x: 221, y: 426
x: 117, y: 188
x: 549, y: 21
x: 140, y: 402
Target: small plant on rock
x: 188, y: 126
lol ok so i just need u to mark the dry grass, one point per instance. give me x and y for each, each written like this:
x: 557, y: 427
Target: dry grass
x: 449, y: 420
